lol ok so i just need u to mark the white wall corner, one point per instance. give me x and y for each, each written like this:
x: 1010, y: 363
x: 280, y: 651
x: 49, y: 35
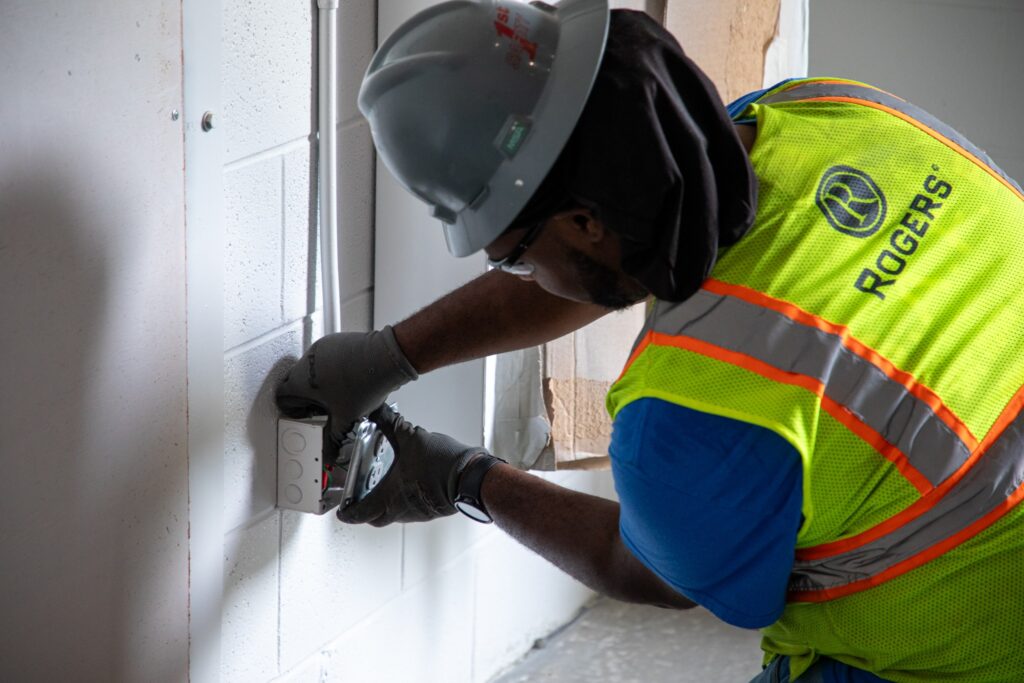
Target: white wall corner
x: 786, y: 56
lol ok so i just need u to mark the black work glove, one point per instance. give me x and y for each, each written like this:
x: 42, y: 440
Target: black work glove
x: 421, y: 483
x: 345, y: 376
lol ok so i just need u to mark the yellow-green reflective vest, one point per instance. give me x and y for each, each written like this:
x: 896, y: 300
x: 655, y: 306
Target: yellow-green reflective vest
x: 874, y: 318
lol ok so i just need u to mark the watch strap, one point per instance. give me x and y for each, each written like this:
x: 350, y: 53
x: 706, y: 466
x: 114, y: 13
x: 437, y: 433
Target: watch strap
x: 470, y: 483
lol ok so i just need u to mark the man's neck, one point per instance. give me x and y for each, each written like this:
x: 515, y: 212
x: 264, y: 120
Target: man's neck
x: 748, y: 134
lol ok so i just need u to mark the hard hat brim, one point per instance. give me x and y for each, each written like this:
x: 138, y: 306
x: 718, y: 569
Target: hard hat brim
x: 582, y: 36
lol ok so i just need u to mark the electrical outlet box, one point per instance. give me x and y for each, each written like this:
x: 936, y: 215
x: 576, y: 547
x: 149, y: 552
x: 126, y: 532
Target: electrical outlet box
x: 300, y: 467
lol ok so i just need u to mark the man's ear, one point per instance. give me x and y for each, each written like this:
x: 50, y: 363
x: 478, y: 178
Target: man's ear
x: 588, y: 224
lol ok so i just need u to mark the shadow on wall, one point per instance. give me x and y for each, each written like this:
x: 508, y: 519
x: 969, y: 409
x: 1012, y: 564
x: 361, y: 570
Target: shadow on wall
x: 53, y: 296
x: 85, y: 493
x: 74, y: 527
x: 261, y: 431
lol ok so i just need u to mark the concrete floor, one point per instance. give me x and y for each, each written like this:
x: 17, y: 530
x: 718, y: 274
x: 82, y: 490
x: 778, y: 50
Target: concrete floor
x: 613, y: 642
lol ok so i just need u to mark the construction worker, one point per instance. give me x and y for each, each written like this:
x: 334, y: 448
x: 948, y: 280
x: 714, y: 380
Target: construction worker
x: 818, y: 431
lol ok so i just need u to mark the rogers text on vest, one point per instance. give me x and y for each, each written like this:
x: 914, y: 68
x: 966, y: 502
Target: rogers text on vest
x: 905, y: 238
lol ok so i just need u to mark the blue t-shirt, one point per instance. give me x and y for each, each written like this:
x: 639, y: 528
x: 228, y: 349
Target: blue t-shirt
x: 712, y: 506
x: 736, y: 107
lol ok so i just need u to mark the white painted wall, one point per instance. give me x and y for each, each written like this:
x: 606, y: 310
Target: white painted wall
x: 958, y: 59
x: 95, y: 501
x: 93, y: 497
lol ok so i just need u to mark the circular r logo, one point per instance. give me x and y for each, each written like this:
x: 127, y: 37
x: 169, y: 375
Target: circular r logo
x: 851, y: 201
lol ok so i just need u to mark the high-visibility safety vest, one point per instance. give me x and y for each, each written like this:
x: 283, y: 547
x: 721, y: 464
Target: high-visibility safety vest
x: 874, y: 318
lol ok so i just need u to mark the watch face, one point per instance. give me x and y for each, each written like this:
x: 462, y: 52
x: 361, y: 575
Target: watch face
x: 472, y: 511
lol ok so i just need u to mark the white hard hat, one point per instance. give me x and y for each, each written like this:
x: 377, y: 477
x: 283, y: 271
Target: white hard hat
x: 470, y: 103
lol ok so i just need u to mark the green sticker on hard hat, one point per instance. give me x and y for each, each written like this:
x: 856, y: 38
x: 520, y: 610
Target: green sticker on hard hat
x: 512, y: 134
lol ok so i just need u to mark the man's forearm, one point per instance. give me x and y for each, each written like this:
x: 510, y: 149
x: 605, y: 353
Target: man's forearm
x: 576, y: 532
x: 494, y: 313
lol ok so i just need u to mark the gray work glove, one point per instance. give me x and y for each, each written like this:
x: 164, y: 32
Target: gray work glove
x: 421, y: 483
x: 345, y: 376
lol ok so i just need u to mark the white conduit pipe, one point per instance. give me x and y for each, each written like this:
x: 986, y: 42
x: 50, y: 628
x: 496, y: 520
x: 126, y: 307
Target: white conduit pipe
x: 327, y: 159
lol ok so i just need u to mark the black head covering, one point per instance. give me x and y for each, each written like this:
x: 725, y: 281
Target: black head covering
x: 655, y: 153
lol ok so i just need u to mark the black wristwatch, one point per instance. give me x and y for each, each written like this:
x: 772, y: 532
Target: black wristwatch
x: 467, y: 492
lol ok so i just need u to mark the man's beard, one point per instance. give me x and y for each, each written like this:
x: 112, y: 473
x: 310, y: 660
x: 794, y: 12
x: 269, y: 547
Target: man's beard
x: 603, y: 285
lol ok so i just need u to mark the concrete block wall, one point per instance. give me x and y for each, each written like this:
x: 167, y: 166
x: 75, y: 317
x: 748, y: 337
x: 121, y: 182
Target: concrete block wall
x: 306, y: 598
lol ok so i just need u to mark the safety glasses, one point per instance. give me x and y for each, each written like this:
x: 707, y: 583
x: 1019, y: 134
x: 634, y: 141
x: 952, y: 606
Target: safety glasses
x: 511, y: 263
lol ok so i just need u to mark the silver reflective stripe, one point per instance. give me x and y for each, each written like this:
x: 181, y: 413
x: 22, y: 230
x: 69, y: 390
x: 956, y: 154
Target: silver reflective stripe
x: 881, y: 403
x: 994, y: 478
x: 810, y: 90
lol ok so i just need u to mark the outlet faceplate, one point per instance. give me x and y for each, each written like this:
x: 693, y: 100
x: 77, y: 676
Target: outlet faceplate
x: 300, y: 468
